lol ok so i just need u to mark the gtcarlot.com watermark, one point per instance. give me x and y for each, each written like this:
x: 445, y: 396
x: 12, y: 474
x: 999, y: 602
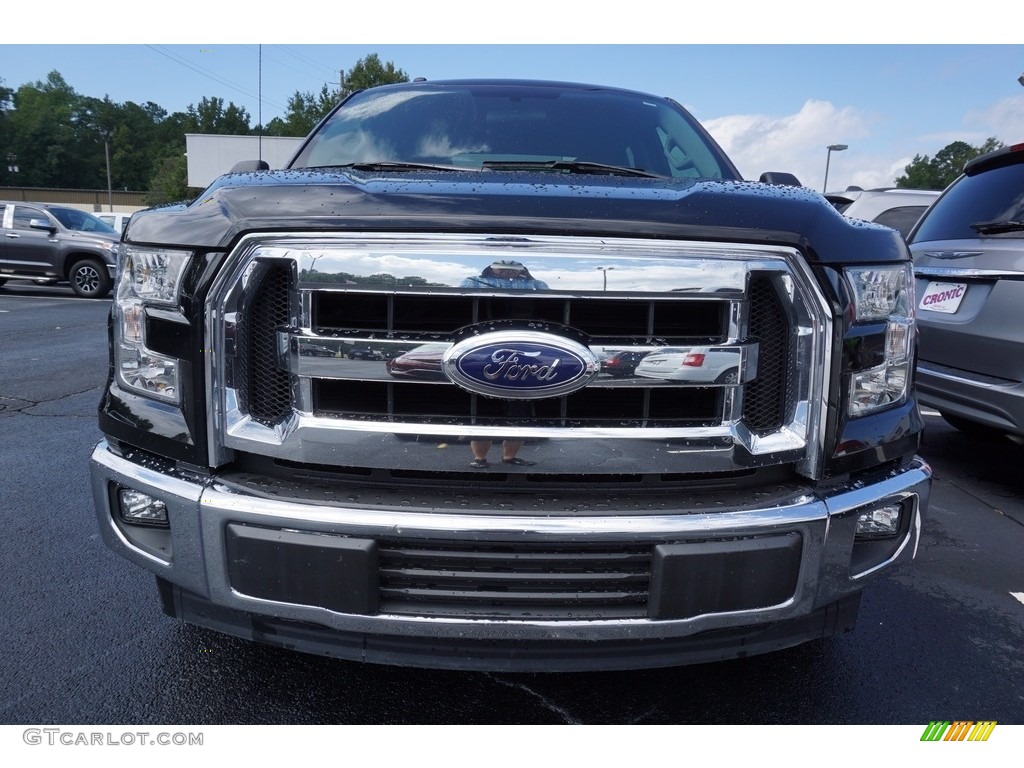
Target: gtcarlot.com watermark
x: 53, y: 737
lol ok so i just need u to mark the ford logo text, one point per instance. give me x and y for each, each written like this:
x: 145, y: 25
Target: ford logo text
x: 520, y: 365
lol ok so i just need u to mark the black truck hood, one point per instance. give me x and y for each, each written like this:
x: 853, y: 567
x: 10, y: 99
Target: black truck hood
x: 514, y: 203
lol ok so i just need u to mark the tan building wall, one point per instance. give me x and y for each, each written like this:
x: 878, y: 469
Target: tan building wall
x: 91, y: 200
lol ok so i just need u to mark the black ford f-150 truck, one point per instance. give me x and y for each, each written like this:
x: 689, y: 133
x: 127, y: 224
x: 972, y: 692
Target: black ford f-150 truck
x: 483, y: 496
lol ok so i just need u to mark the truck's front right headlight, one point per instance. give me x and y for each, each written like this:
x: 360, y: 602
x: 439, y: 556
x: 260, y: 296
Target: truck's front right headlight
x: 146, y: 277
x: 883, y: 294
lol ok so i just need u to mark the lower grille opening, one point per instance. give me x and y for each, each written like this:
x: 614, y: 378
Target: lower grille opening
x: 520, y: 581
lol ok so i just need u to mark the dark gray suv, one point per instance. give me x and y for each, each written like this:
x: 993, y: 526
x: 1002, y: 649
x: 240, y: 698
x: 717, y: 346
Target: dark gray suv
x: 969, y: 263
x: 43, y: 242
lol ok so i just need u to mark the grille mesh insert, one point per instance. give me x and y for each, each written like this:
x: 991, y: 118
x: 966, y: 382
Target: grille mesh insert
x: 765, y: 398
x: 515, y: 581
x: 267, y: 386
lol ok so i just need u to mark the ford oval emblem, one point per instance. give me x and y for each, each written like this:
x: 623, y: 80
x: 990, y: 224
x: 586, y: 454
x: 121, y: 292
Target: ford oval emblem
x: 520, y: 365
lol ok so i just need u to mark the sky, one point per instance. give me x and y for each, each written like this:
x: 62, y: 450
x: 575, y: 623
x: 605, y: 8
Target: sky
x: 888, y: 96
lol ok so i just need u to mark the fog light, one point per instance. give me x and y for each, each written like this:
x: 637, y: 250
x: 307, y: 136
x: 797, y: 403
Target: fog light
x: 139, y: 508
x: 876, y: 523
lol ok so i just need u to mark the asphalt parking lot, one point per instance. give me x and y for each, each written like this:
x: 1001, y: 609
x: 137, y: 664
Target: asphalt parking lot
x: 84, y: 640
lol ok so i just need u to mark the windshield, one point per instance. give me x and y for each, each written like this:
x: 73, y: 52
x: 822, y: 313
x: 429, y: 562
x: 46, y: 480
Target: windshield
x: 515, y: 127
x: 80, y: 221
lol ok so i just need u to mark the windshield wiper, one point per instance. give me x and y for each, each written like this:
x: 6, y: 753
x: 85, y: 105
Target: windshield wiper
x: 572, y: 166
x: 997, y: 227
x: 394, y: 165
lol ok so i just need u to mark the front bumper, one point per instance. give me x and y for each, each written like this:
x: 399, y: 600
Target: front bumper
x: 303, y: 573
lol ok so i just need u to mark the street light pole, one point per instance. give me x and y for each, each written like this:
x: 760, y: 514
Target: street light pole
x: 106, y: 153
x: 604, y: 273
x: 831, y: 148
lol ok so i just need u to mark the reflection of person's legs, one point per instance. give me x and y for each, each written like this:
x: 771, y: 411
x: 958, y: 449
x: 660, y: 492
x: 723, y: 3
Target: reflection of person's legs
x: 480, y: 449
x: 509, y: 449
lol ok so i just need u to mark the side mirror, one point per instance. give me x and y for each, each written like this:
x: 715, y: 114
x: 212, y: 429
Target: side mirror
x: 778, y: 177
x: 41, y: 224
x: 248, y: 166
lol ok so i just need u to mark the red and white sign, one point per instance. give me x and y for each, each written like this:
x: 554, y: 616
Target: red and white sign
x: 942, y: 297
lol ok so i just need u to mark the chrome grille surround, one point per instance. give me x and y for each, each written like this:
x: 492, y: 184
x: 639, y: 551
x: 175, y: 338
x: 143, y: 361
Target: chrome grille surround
x: 589, y: 278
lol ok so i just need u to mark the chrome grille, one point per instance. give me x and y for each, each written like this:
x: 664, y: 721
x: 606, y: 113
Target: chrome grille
x: 318, y: 320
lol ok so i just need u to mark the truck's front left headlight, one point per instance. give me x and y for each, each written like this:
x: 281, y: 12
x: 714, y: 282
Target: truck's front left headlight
x: 883, y: 295
x: 146, y: 277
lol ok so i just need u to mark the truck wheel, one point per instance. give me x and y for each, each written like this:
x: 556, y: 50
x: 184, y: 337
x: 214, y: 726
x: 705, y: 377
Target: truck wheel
x: 89, y: 279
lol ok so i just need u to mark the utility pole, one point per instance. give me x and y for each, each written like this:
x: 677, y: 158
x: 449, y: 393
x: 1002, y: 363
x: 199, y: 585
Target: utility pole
x: 106, y: 153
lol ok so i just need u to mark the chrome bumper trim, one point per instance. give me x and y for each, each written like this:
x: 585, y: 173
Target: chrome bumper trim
x: 200, y: 511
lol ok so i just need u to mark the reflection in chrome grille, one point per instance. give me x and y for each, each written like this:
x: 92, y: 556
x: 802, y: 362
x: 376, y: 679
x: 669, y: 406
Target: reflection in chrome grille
x: 601, y: 318
x: 429, y: 404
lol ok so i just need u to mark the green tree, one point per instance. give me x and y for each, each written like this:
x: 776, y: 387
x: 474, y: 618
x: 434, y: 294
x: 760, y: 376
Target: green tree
x: 60, y: 137
x: 940, y: 171
x: 136, y: 143
x: 99, y: 119
x: 370, y: 72
x: 211, y: 116
x: 44, y: 126
x: 169, y: 182
x: 306, y: 109
x: 6, y: 147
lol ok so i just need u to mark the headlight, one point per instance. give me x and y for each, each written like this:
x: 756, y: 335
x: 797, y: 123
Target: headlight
x: 146, y: 277
x: 883, y: 294
x: 153, y: 275
x: 879, y: 292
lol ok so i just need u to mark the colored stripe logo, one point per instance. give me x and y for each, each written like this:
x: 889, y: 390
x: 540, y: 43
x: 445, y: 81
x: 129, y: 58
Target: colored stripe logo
x: 958, y: 730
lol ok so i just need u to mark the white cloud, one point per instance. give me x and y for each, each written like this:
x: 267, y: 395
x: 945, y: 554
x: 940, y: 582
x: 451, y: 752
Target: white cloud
x: 796, y: 143
x: 1004, y: 120
x: 793, y: 143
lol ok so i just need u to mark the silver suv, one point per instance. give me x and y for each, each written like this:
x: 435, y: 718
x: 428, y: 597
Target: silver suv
x: 891, y: 206
x: 46, y: 243
x: 969, y: 262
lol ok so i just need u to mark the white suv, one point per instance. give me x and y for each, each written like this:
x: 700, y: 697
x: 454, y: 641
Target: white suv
x: 893, y: 207
x: 117, y: 221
